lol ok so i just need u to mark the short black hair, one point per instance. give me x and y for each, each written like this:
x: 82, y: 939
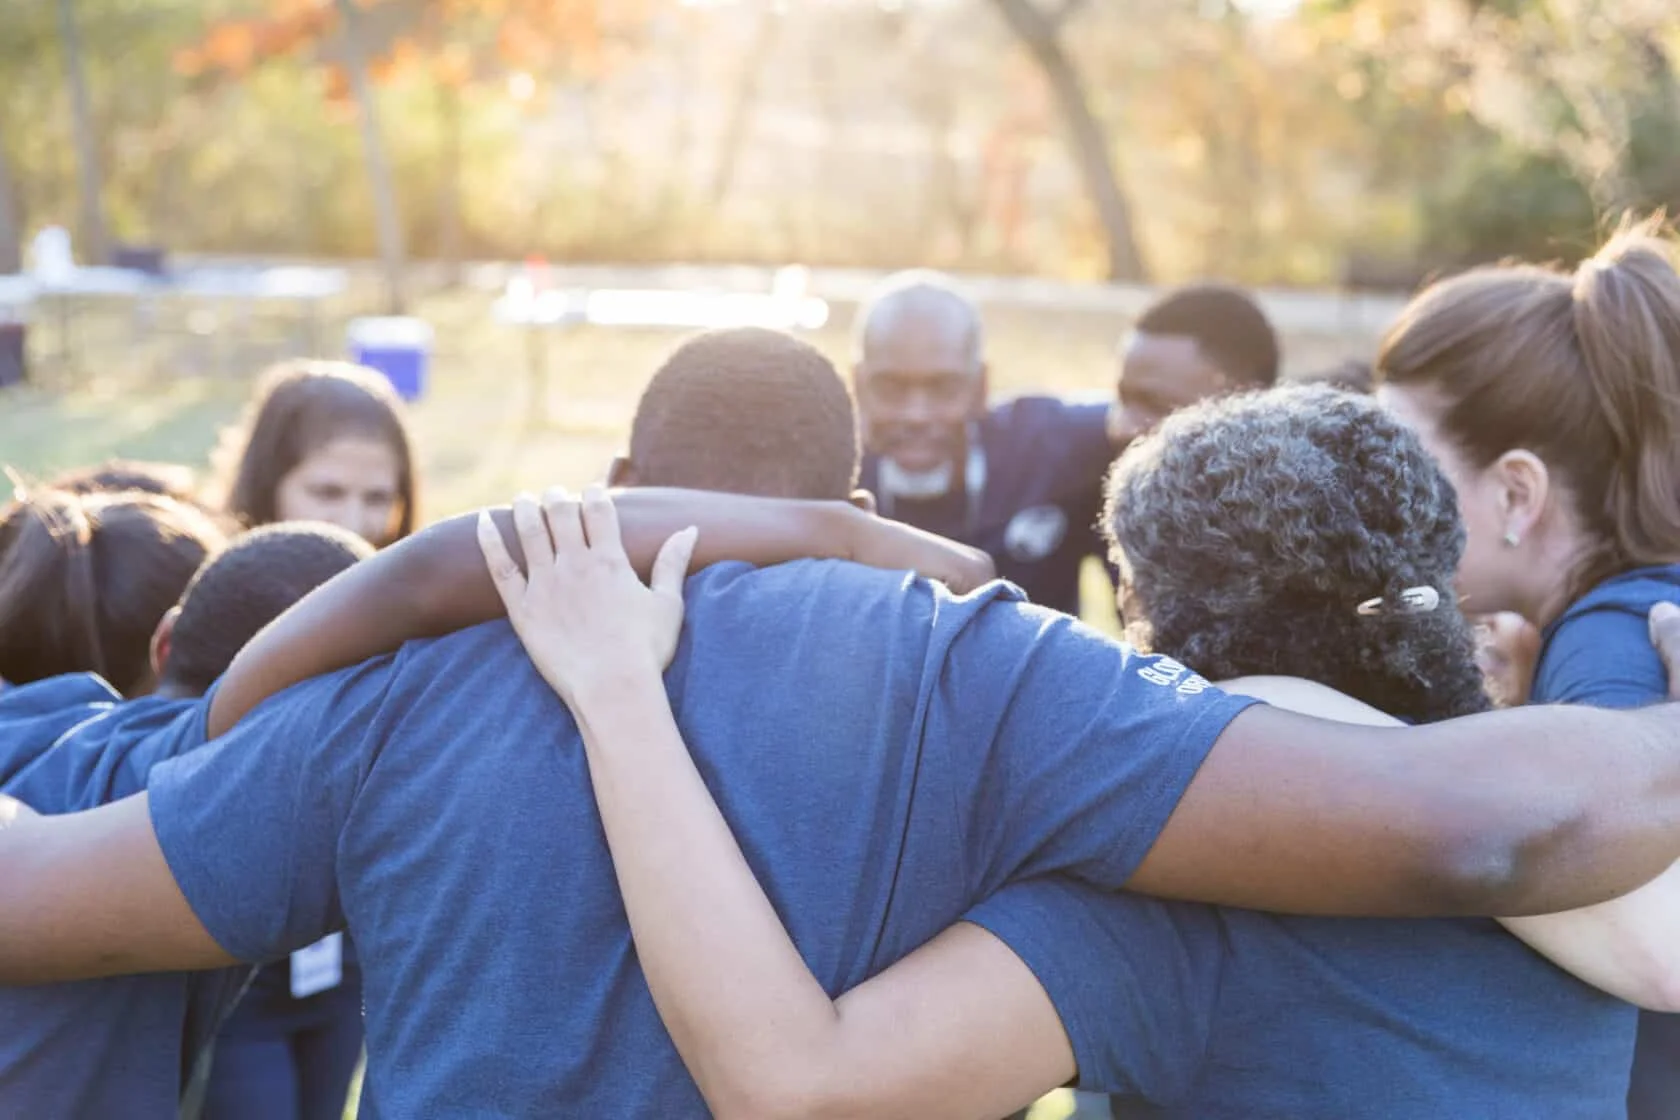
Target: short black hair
x: 747, y: 411
x: 1227, y: 326
x: 1249, y: 530
x: 247, y: 586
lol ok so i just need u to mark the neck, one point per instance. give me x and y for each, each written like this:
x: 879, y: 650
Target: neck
x: 174, y: 690
x: 1556, y: 562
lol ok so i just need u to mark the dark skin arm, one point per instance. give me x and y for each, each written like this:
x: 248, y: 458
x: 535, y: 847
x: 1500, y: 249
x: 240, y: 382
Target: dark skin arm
x: 435, y: 583
x: 1509, y: 813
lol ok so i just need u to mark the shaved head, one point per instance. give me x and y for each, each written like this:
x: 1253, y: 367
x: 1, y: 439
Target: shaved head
x: 922, y: 315
x: 920, y: 374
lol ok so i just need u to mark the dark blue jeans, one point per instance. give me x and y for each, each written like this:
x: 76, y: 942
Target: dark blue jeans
x: 281, y: 1058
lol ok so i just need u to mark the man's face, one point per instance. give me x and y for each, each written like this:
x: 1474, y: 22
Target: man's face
x: 918, y: 386
x: 1160, y: 374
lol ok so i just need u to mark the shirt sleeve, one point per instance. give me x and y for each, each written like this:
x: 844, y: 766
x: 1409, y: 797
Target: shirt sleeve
x: 35, y: 716
x: 1134, y: 980
x: 1601, y: 657
x: 1070, y: 750
x: 250, y: 824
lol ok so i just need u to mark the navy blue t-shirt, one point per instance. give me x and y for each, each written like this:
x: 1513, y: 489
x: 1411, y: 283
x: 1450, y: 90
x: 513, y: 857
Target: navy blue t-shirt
x: 886, y: 754
x: 1599, y: 652
x: 1037, y: 512
x: 1191, y: 1012
x: 118, y: 1046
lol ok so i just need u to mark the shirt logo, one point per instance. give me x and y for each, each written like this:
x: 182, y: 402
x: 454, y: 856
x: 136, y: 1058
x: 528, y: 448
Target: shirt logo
x: 1168, y: 673
x: 1035, y: 533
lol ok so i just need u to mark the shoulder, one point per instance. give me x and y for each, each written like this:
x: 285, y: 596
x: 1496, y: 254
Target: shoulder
x: 1599, y: 651
x: 1034, y: 415
x: 55, y: 694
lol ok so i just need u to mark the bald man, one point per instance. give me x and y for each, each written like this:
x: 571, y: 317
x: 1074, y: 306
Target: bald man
x: 1021, y: 479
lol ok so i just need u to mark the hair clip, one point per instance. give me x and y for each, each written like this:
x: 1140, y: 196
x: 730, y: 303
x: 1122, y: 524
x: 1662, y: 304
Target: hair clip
x: 1413, y: 600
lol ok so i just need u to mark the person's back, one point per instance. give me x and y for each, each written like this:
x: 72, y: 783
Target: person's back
x: 438, y: 804
x: 1208, y: 1013
x: 1304, y: 532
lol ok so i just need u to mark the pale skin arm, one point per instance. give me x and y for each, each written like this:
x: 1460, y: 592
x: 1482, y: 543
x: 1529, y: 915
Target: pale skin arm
x: 1626, y: 947
x: 89, y: 894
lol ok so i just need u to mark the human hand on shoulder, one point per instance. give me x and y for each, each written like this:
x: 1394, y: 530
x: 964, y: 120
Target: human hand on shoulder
x: 589, y: 624
x: 1665, y: 635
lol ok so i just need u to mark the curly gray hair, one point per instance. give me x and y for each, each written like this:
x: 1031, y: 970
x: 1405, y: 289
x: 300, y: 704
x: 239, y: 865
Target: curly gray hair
x: 1249, y: 530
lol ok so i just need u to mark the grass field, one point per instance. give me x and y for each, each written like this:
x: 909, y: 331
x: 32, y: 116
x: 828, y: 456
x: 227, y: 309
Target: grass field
x: 484, y: 430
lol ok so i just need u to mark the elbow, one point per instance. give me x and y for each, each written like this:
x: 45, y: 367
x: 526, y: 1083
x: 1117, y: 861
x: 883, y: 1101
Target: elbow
x: 792, y: 1091
x: 1661, y: 989
x: 1527, y: 867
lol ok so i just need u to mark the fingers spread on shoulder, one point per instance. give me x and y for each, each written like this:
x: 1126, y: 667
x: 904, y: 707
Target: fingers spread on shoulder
x: 533, y: 533
x: 600, y: 524
x: 670, y: 567
x: 504, y: 573
x: 562, y: 511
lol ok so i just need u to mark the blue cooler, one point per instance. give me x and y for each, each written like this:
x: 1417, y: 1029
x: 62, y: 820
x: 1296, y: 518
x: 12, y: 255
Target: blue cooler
x: 396, y: 346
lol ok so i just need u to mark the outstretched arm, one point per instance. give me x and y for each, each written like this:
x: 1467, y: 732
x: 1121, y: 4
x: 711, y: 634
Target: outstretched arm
x: 1625, y: 946
x: 959, y: 1028
x: 89, y: 894
x: 434, y: 582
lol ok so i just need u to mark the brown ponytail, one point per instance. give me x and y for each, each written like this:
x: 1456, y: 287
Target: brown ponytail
x: 1582, y: 369
x: 1627, y: 318
x: 84, y: 579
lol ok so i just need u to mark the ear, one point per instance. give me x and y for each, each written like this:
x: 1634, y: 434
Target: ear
x: 863, y: 500
x: 162, y: 639
x: 622, y: 472
x: 1525, y: 487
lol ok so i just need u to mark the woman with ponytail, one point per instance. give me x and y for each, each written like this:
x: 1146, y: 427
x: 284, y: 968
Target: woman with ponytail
x: 1552, y: 401
x: 85, y: 579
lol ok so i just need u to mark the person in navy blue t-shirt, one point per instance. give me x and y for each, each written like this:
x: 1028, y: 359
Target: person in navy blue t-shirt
x: 125, y: 1046
x: 888, y: 754
x: 1022, y: 478
x: 1299, y: 532
x: 1552, y: 400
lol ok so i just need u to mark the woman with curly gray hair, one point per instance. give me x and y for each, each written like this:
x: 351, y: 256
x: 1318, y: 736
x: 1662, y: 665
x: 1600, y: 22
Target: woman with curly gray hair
x: 1304, y: 533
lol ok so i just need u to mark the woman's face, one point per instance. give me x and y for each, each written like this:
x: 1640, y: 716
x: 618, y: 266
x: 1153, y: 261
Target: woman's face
x: 351, y: 482
x: 1490, y: 574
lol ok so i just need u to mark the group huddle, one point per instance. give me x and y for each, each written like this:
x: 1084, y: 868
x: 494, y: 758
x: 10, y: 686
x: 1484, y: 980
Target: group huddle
x: 728, y: 790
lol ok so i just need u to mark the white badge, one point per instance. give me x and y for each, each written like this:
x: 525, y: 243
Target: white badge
x: 319, y: 967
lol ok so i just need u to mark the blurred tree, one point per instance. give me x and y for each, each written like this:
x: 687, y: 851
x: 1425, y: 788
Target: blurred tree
x: 1039, y: 26
x: 90, y: 181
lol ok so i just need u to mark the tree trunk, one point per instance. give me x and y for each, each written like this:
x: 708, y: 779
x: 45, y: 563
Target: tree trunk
x: 11, y: 218
x: 90, y: 181
x: 742, y: 102
x: 1039, y: 32
x: 449, y: 195
x: 386, y: 215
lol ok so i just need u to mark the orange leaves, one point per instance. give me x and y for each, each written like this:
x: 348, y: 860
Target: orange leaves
x: 233, y: 47
x: 457, y: 42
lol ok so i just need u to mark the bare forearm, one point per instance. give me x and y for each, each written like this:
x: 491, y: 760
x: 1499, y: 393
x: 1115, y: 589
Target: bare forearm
x: 737, y: 998
x: 435, y: 583
x: 1626, y: 946
x: 89, y: 894
x: 1512, y: 813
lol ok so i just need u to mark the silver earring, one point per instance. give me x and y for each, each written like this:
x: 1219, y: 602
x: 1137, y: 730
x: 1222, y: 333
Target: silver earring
x: 1511, y: 538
